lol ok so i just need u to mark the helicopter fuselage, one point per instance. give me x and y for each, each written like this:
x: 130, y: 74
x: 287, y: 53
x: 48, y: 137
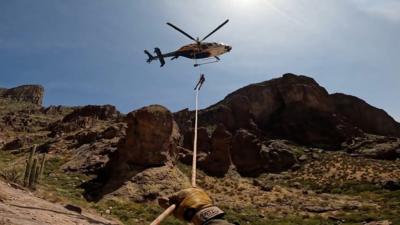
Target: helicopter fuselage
x: 201, y: 51
x: 192, y: 51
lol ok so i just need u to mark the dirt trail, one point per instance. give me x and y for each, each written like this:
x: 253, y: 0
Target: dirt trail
x: 19, y: 207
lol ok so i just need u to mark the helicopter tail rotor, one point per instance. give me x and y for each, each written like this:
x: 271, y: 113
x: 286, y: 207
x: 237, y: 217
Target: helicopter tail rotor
x: 159, y: 56
x: 151, y: 58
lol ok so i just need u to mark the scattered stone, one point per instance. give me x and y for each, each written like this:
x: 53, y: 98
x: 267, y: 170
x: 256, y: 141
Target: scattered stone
x: 315, y: 156
x: 392, y: 185
x: 73, y: 208
x: 318, y: 209
x: 303, y: 158
x: 264, y: 186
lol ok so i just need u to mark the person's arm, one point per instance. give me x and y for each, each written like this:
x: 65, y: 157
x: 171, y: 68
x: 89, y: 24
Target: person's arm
x: 195, y: 205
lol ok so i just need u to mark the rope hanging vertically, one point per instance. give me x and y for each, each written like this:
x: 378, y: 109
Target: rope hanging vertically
x: 171, y: 209
x: 194, y: 160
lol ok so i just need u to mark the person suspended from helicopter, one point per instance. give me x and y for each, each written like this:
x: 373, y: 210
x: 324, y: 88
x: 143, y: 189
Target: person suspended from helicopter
x: 197, y: 50
x: 195, y: 205
x: 200, y: 82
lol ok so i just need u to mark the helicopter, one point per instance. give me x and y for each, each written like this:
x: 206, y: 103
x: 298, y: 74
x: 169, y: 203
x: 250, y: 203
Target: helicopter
x: 197, y: 50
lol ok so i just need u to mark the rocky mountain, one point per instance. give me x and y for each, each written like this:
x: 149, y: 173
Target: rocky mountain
x: 26, y: 93
x: 295, y: 108
x: 276, y: 148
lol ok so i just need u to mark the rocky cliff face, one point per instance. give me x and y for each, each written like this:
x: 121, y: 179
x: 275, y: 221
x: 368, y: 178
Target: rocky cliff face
x: 27, y: 93
x: 295, y: 108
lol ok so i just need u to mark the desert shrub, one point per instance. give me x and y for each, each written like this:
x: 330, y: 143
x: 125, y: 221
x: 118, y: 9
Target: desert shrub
x: 11, y: 175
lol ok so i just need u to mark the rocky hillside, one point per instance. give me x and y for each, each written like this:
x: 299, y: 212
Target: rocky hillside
x: 283, y: 151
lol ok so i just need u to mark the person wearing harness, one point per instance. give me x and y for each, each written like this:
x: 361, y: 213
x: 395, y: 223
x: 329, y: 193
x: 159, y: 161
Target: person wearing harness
x: 195, y: 205
x: 201, y: 81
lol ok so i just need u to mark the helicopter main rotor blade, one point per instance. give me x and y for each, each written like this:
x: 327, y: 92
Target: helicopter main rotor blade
x: 226, y: 21
x: 183, y: 32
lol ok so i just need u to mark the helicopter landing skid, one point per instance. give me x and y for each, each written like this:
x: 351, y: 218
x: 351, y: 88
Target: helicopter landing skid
x: 200, y: 64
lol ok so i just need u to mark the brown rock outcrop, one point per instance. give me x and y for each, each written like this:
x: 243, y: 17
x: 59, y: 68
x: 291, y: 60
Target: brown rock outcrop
x: 278, y: 155
x: 150, y: 141
x: 252, y: 156
x: 377, y: 147
x: 151, y: 137
x: 27, y: 93
x: 100, y: 112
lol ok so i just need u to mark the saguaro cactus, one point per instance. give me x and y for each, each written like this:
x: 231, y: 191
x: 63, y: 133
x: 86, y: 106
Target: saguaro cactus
x: 41, y: 169
x: 33, y: 171
x: 32, y: 176
x: 28, y: 167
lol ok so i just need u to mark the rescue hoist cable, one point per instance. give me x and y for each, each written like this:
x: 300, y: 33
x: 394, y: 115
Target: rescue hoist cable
x: 194, y: 160
x: 171, y: 208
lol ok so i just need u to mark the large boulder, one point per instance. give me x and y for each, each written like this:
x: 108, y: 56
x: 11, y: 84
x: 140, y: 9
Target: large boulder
x: 253, y: 156
x: 278, y: 155
x: 368, y: 118
x: 151, y: 137
x: 26, y: 93
x: 245, y: 153
x: 151, y: 140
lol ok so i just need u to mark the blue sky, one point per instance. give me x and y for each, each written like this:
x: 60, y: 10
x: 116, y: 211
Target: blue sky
x: 91, y: 51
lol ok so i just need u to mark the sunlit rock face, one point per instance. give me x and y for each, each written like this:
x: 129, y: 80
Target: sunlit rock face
x: 27, y: 93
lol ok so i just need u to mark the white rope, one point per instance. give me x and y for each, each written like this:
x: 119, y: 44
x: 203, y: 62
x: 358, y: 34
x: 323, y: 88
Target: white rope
x: 194, y: 161
x: 171, y: 208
